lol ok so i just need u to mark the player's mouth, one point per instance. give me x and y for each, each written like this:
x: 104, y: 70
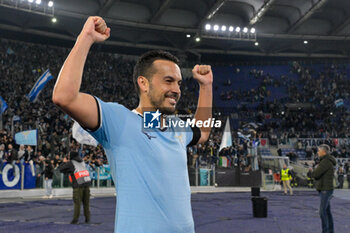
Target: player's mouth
x: 172, y: 100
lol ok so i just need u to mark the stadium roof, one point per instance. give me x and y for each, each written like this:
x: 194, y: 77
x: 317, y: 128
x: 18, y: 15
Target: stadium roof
x: 282, y: 26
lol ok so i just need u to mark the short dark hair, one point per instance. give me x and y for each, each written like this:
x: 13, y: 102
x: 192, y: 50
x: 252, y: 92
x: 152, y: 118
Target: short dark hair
x: 144, y: 64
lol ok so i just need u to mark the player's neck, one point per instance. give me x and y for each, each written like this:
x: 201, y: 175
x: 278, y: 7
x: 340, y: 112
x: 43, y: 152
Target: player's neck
x: 145, y: 106
x: 140, y: 109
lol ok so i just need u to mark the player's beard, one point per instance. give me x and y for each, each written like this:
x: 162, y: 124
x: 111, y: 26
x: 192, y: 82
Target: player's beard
x: 157, y: 101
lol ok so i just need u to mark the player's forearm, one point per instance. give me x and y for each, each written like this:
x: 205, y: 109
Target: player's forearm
x: 69, y: 80
x: 204, y: 108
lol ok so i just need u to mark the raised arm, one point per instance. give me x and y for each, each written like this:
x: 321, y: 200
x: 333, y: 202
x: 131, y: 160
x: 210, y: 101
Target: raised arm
x: 80, y: 106
x: 204, y: 76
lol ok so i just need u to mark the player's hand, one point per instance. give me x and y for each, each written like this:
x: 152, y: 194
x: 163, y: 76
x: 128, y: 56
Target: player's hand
x: 203, y: 74
x: 96, y: 29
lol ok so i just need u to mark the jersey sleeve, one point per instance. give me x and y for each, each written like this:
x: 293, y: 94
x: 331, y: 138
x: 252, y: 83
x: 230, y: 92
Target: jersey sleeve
x: 196, y: 135
x: 111, y: 120
x: 191, y: 134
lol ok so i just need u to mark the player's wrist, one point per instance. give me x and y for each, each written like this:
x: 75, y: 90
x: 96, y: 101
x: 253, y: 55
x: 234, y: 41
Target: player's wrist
x: 207, y: 85
x: 85, y: 39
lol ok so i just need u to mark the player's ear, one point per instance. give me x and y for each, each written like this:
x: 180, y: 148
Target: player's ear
x: 143, y: 84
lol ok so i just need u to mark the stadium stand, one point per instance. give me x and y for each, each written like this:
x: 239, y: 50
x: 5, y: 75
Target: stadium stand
x: 258, y: 94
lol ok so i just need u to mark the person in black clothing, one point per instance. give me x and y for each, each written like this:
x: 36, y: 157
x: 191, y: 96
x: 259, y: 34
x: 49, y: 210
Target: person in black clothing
x: 29, y: 155
x: 294, y: 181
x: 343, y: 153
x: 57, y: 160
x: 29, y: 158
x: 279, y: 152
x: 80, y: 178
x: 40, y: 167
x: 12, y: 157
x: 340, y: 174
x: 3, y: 156
x: 48, y: 172
x: 310, y: 180
x: 348, y: 176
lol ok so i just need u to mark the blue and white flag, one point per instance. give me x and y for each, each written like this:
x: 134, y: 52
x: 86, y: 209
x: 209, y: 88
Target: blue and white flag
x: 28, y: 137
x: 226, y: 140
x: 339, y: 102
x: 82, y: 136
x: 3, y: 105
x: 245, y: 137
x: 39, y: 85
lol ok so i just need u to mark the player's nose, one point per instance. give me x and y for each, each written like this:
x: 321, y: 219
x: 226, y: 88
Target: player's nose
x: 176, y: 89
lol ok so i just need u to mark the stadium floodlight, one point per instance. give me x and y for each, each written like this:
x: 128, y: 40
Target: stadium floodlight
x: 256, y: 43
x: 223, y: 28
x: 198, y: 39
x: 32, y: 6
x: 216, y: 27
x: 54, y: 20
x: 238, y: 29
x: 50, y: 3
x: 188, y: 36
x: 207, y: 27
x: 252, y: 30
x: 305, y: 42
x: 245, y: 30
x: 231, y: 29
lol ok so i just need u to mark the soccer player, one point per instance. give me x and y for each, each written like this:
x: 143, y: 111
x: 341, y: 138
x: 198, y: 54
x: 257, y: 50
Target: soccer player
x: 148, y: 168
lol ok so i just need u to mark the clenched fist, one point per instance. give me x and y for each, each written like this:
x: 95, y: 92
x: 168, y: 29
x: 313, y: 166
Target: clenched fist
x: 203, y: 74
x: 96, y: 29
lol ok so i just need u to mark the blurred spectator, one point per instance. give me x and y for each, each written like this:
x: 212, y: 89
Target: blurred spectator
x: 12, y: 157
x: 340, y: 174
x: 21, y: 154
x: 48, y: 172
x: 310, y: 181
x: 2, y: 156
x: 80, y: 179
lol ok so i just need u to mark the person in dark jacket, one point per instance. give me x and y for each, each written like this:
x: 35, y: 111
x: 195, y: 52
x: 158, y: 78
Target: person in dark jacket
x: 324, y: 176
x: 12, y: 157
x: 310, y: 180
x: 80, y: 178
x: 48, y: 172
x: 340, y: 174
x: 347, y: 172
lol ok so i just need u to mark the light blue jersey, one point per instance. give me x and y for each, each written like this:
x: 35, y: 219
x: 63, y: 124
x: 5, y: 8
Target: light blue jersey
x: 149, y: 170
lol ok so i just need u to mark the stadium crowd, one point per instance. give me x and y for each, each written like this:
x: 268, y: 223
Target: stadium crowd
x: 108, y: 76
x: 307, y: 111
